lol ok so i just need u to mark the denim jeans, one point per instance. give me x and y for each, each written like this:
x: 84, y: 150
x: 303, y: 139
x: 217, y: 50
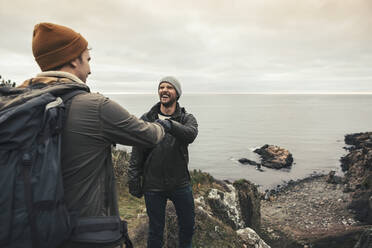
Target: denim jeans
x: 184, y: 204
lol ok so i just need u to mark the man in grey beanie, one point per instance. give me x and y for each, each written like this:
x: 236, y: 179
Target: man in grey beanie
x: 161, y: 173
x: 174, y: 82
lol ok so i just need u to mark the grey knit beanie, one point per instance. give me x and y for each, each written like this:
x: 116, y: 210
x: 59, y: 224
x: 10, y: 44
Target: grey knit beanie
x: 173, y: 81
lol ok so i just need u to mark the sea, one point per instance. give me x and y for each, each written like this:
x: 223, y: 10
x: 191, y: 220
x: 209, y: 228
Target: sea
x: 311, y: 126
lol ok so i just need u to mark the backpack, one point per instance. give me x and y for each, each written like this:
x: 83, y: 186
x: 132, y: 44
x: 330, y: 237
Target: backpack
x: 32, y: 208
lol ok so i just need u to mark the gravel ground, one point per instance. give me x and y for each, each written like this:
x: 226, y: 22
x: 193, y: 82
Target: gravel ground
x: 308, y: 209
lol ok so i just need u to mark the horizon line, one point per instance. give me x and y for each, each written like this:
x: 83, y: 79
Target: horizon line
x: 247, y: 93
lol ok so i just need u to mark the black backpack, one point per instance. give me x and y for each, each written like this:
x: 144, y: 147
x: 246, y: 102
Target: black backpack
x: 32, y: 208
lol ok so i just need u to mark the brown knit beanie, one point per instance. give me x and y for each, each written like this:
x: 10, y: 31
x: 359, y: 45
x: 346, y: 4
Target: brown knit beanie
x: 55, y: 45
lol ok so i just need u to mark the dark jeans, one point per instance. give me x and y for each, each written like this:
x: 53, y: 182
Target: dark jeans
x: 184, y: 204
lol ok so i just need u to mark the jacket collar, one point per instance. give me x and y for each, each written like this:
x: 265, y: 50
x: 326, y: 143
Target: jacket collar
x: 156, y: 109
x: 49, y: 77
x: 60, y: 74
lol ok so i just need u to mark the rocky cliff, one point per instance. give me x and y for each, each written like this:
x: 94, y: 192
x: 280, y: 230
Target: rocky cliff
x: 357, y: 165
x: 226, y: 214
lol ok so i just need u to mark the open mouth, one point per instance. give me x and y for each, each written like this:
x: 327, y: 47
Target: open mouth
x: 165, y: 96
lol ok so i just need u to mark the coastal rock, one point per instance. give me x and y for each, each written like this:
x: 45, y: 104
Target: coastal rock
x: 365, y: 240
x: 211, y: 232
x: 250, y: 237
x: 213, y: 227
x: 221, y: 208
x: 225, y: 206
x: 357, y: 165
x: 248, y: 161
x: 332, y: 178
x: 249, y: 202
x: 239, y: 207
x: 218, y: 216
x: 359, y: 140
x: 275, y: 157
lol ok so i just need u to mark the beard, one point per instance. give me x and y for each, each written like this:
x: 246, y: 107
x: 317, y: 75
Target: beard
x: 168, y: 101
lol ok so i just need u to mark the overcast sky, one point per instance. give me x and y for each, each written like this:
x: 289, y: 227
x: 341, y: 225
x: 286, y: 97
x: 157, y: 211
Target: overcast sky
x: 209, y: 45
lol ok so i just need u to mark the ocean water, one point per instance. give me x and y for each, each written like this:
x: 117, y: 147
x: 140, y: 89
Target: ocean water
x: 231, y: 126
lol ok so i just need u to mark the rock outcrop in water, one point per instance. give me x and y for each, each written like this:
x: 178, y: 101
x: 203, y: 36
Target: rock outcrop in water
x: 274, y: 157
x: 248, y: 161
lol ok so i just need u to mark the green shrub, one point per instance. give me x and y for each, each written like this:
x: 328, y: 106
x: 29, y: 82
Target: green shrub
x: 6, y: 83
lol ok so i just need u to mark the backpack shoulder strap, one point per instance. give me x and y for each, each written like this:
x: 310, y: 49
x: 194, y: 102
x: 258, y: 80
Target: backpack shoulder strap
x: 66, y: 98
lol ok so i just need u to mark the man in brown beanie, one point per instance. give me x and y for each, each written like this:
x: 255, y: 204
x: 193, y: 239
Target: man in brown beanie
x: 92, y: 125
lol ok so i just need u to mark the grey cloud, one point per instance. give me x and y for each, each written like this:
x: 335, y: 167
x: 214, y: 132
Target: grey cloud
x: 212, y: 45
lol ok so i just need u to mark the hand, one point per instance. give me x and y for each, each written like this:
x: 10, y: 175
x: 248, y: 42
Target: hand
x: 167, y: 124
x: 135, y: 188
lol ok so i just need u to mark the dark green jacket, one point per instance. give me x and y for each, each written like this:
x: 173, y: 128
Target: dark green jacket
x: 93, y: 124
x: 165, y: 166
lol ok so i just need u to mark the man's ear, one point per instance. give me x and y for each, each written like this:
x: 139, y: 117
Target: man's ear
x: 74, y: 63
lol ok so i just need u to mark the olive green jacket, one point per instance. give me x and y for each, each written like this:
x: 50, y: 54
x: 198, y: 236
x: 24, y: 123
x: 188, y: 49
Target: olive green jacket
x: 93, y: 124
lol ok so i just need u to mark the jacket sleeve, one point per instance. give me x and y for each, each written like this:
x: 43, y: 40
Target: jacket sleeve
x: 119, y: 126
x: 187, y: 132
x: 135, y: 172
